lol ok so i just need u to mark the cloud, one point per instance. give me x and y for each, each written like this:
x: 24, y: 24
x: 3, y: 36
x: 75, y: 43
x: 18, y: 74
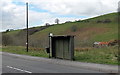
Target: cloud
x: 77, y: 7
x: 13, y: 15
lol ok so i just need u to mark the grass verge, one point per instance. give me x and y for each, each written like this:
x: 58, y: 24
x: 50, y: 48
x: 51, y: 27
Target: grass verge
x: 22, y: 50
x: 107, y: 55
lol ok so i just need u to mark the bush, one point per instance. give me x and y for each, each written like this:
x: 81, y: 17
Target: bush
x: 107, y: 21
x: 74, y: 28
x: 99, y: 21
x: 104, y: 21
x: 6, y: 39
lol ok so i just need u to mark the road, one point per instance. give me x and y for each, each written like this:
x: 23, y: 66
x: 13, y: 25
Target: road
x: 12, y: 64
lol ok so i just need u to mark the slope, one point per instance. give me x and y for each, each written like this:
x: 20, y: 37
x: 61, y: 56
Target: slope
x: 101, y: 28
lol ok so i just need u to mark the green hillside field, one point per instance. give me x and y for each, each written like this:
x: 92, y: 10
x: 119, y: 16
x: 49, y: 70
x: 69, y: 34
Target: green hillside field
x: 85, y: 32
x: 101, y: 28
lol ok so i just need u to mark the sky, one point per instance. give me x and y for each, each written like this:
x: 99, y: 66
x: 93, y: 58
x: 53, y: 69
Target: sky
x: 13, y: 15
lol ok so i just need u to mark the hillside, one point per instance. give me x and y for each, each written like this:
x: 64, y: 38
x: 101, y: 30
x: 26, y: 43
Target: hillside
x: 101, y: 28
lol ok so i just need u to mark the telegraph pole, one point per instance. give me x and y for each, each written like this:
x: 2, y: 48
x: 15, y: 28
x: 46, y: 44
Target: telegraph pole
x: 27, y: 25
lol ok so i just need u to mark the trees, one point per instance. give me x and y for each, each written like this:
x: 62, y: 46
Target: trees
x: 47, y: 24
x: 57, y: 21
x: 7, y: 30
x: 67, y: 21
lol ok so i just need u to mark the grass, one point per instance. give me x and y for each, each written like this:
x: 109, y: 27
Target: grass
x: 99, y: 55
x: 85, y: 35
x: 22, y: 50
x: 108, y: 55
x: 0, y: 49
x: 86, y: 32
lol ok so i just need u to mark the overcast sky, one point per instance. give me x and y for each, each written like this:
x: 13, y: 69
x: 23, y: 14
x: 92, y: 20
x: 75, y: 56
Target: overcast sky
x: 46, y: 11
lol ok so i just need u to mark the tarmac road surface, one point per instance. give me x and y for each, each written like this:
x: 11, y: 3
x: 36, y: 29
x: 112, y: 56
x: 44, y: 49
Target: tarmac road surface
x: 12, y: 64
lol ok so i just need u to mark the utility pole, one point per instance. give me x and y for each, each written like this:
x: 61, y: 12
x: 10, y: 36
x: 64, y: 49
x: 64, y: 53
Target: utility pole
x: 27, y: 25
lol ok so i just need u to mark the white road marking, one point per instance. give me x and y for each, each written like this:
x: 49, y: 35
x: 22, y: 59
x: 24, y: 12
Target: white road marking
x: 18, y: 69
